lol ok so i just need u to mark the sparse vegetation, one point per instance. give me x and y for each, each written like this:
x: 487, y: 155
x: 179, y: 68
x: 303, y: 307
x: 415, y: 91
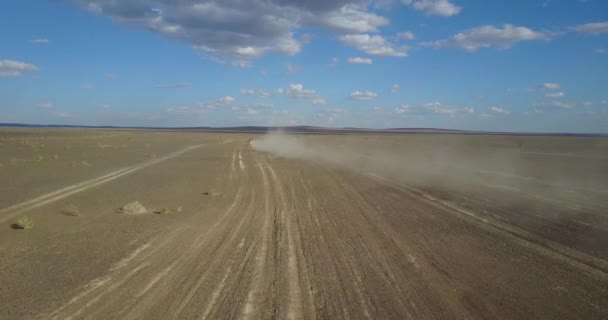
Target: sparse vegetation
x: 24, y: 223
x: 168, y: 211
x: 133, y: 208
x: 71, y: 210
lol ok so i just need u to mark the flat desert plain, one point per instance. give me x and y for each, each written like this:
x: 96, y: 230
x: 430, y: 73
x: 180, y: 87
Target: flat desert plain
x: 191, y: 225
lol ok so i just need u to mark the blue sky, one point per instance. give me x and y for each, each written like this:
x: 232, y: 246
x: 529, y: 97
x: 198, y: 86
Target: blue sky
x: 534, y: 65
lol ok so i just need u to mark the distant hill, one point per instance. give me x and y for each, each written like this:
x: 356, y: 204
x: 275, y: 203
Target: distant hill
x: 303, y: 129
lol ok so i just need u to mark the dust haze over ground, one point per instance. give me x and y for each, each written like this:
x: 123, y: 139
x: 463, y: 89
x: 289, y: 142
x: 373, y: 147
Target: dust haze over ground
x: 458, y: 163
x: 365, y: 226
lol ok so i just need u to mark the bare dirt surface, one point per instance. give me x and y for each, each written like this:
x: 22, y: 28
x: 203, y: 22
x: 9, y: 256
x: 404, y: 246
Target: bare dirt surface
x: 353, y: 227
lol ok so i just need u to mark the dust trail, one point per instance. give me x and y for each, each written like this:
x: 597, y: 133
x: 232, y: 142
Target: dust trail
x: 463, y: 163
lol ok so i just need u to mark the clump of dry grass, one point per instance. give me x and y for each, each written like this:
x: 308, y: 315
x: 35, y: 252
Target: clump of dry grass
x: 133, y: 208
x: 71, y: 210
x: 24, y: 223
x: 169, y: 211
x: 212, y: 193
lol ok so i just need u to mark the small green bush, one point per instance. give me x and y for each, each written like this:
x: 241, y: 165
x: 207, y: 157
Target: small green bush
x: 24, y: 223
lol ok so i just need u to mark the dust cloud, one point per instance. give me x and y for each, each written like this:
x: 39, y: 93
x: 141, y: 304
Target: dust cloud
x: 500, y: 163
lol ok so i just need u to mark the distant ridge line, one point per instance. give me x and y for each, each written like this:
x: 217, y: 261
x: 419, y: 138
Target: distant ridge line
x: 305, y: 129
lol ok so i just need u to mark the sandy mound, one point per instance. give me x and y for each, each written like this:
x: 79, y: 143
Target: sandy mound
x: 133, y: 208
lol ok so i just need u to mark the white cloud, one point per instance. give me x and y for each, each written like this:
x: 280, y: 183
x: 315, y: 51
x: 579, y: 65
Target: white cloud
x: 563, y: 105
x: 86, y: 86
x: 264, y: 94
x: 374, y: 45
x: 550, y: 85
x: 396, y: 88
x: 297, y: 91
x: 496, y: 109
x: 359, y: 60
x: 173, y: 85
x: 350, y: 19
x: 489, y: 36
x: 555, y: 95
x: 279, y: 91
x: 407, y: 35
x: 434, y: 7
x: 225, y: 100
x: 39, y: 41
x: 600, y: 51
x: 363, y: 95
x: 241, y: 30
x: 438, y: 107
x: 12, y: 68
x: 46, y: 105
x: 588, y: 103
x: 248, y: 91
x: 592, y: 28
x: 404, y: 108
x: 469, y: 110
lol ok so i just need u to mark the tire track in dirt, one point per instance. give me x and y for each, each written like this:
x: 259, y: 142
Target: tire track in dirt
x: 14, y: 210
x: 251, y: 306
x: 294, y: 297
x: 583, y: 261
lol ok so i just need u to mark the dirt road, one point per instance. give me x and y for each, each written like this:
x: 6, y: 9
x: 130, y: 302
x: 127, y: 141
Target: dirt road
x: 264, y: 237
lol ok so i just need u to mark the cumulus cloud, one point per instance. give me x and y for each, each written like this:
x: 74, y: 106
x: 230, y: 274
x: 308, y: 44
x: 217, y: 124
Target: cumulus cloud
x: 39, y: 41
x: 241, y: 30
x: 499, y: 110
x: 359, y: 60
x: 297, y: 91
x: 374, y: 45
x: 402, y: 109
x: 264, y: 94
x: 363, y: 95
x: 225, y: 100
x: 550, y: 85
x: 12, y: 68
x: 555, y: 95
x: 396, y: 88
x: 591, y: 28
x: 434, y: 7
x: 349, y: 19
x: 438, y: 107
x: 562, y: 105
x: 173, y: 85
x: 489, y: 36
x: 248, y: 91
